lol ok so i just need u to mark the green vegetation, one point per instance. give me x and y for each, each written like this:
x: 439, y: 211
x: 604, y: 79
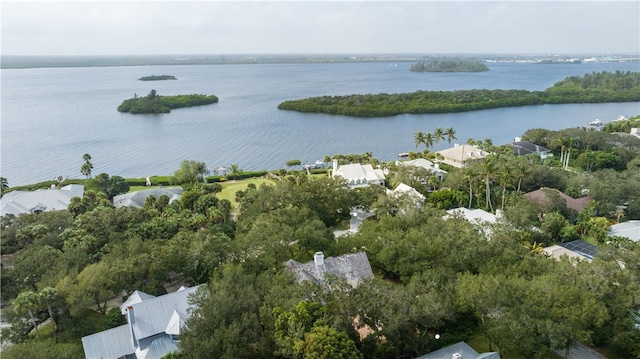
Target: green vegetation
x: 154, y: 103
x: 449, y: 65
x: 591, y: 88
x: 157, y: 78
x: 433, y: 275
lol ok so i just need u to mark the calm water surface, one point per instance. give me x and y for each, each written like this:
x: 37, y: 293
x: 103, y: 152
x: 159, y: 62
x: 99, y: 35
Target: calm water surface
x: 52, y: 116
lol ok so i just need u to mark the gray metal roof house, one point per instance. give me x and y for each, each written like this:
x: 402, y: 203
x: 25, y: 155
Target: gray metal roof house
x: 136, y: 199
x: 460, y: 350
x: 354, y: 267
x: 42, y: 200
x: 152, y: 329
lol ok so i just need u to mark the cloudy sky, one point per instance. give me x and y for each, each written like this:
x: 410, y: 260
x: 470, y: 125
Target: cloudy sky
x: 320, y: 27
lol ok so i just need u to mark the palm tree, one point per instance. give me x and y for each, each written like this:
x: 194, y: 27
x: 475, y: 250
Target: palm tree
x: 27, y: 302
x: 428, y: 140
x: 235, y: 171
x: 535, y: 248
x: 470, y: 175
x: 48, y: 296
x: 521, y: 171
x: 504, y: 176
x: 438, y: 134
x: 488, y: 172
x: 87, y: 166
x: 418, y: 138
x: 451, y: 134
x: 4, y: 185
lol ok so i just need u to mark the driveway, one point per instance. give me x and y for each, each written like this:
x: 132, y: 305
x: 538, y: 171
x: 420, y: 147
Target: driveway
x: 581, y: 351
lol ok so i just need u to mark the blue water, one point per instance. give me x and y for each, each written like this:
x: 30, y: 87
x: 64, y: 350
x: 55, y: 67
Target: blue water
x: 52, y: 116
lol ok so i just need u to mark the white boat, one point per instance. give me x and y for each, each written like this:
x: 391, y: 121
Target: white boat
x: 595, y: 122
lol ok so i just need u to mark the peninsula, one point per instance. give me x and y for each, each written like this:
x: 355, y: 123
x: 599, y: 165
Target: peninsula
x: 154, y: 103
x: 591, y: 88
x: 157, y: 78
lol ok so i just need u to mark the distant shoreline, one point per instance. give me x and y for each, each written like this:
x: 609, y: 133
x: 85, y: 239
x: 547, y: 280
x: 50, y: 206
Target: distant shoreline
x: 25, y: 62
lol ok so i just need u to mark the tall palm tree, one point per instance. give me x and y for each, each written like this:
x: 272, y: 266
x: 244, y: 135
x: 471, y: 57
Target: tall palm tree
x: 521, y: 171
x: 504, y: 177
x: 451, y: 134
x: 438, y: 135
x: 428, y: 140
x: 470, y: 175
x: 488, y: 171
x: 26, y: 303
x: 418, y: 138
x: 48, y: 296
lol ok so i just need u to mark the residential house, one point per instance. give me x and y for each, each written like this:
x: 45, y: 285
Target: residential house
x: 542, y: 195
x: 628, y: 229
x: 426, y: 164
x: 353, y: 267
x: 403, y: 189
x: 460, y: 155
x: 476, y: 216
x: 358, y: 175
x: 152, y: 329
x: 460, y: 350
x: 42, y: 200
x: 137, y: 199
x: 521, y: 148
x: 575, y: 249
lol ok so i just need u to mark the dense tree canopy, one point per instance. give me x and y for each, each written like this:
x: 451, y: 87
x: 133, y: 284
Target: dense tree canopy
x: 154, y: 103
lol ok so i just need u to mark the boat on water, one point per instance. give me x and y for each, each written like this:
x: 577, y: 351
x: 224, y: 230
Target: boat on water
x: 595, y: 123
x: 403, y: 154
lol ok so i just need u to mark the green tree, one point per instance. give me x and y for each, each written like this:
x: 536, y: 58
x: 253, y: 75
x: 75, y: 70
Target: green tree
x: 27, y: 303
x: 451, y: 134
x: 292, y: 163
x: 234, y: 171
x: 190, y: 173
x: 324, y: 342
x: 438, y: 135
x: 418, y: 138
x: 87, y: 166
x: 48, y: 296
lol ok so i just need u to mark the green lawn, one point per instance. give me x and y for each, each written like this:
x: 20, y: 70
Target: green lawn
x: 479, y: 343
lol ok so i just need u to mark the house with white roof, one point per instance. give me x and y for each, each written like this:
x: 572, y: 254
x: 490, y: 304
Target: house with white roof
x: 460, y: 155
x: 152, y: 329
x: 358, y: 175
x: 42, y: 200
x: 628, y: 229
x: 426, y: 164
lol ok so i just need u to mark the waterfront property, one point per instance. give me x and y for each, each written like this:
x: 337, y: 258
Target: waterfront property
x: 426, y: 164
x: 137, y: 199
x: 43, y: 200
x: 522, y: 148
x: 460, y: 155
x: 358, y: 175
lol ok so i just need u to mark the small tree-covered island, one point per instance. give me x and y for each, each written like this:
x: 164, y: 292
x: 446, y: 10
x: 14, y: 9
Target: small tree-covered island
x: 591, y: 88
x: 449, y: 65
x: 154, y: 103
x: 157, y: 78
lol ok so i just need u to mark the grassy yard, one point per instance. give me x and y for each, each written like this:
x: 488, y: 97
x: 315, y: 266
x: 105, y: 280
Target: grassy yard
x: 479, y: 343
x: 229, y: 188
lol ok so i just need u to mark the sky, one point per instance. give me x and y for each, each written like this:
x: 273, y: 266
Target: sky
x: 319, y: 27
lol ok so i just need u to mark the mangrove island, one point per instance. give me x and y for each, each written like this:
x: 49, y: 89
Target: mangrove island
x: 157, y: 78
x: 154, y: 103
x: 449, y: 65
x: 591, y: 88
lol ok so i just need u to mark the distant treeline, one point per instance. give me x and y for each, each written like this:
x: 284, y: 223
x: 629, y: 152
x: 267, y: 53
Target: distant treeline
x: 154, y: 103
x: 449, y: 65
x: 591, y: 88
x: 157, y: 78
